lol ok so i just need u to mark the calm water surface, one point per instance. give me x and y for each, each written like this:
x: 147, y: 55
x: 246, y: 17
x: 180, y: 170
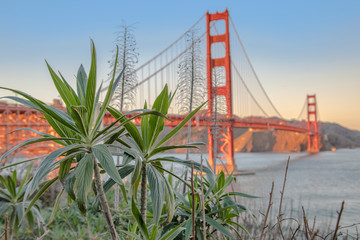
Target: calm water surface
x: 319, y: 182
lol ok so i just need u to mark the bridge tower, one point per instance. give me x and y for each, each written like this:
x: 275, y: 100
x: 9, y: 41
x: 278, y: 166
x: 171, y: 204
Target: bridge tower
x: 220, y: 135
x: 313, y: 135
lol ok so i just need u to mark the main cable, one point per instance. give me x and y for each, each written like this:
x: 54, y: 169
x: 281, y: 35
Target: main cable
x: 252, y: 68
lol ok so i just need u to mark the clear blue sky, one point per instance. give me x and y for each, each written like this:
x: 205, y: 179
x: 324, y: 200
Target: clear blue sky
x: 296, y: 47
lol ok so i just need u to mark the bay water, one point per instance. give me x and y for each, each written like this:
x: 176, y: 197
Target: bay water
x: 318, y: 182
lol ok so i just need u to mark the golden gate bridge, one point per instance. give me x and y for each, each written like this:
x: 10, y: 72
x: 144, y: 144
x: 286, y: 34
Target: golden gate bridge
x: 234, y: 92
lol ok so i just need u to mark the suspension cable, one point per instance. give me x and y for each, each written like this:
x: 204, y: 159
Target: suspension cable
x: 302, y: 110
x: 166, y: 65
x: 171, y: 45
x: 242, y: 80
x: 252, y: 68
x: 317, y: 112
x: 247, y: 89
x: 163, y: 51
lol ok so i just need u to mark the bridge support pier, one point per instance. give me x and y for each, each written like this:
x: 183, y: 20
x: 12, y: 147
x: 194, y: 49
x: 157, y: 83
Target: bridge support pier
x: 313, y: 135
x: 220, y: 135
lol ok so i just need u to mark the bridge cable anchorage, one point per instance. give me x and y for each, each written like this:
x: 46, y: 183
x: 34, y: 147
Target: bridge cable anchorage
x: 253, y: 69
x: 165, y: 50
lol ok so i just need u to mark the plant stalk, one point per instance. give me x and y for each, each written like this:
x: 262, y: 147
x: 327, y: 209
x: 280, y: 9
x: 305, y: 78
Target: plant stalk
x: 117, y: 189
x: 12, y: 224
x: 338, y: 220
x: 202, y: 197
x: 6, y: 226
x: 143, y: 192
x: 190, y: 105
x: 104, y: 202
x: 192, y: 200
x: 278, y: 226
x: 267, y: 212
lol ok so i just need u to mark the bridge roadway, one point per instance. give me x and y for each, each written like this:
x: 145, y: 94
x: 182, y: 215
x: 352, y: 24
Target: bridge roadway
x: 15, y: 116
x: 203, y: 120
x: 20, y: 116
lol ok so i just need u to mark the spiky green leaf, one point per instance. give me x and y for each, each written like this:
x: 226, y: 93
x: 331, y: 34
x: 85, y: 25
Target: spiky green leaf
x: 84, y: 175
x: 178, y: 127
x: 62, y: 88
x: 91, y: 83
x: 51, y: 111
x: 40, y: 193
x: 32, y: 141
x: 141, y: 224
x: 169, y: 197
x: 46, y: 166
x: 69, y: 185
x: 156, y: 123
x: 56, y: 206
x: 173, y: 233
x: 209, y: 173
x: 81, y: 83
x: 171, y: 147
x: 24, y: 102
x: 79, y: 115
x: 157, y: 188
x: 219, y: 227
x: 106, y: 160
x: 124, y: 172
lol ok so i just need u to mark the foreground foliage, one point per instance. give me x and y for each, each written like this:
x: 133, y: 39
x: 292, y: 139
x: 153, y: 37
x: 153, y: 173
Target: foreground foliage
x: 13, y: 203
x: 140, y: 158
x: 215, y: 212
x: 84, y: 150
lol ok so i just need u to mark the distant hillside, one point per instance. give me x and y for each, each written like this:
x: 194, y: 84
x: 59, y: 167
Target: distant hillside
x: 335, y: 135
x: 332, y: 136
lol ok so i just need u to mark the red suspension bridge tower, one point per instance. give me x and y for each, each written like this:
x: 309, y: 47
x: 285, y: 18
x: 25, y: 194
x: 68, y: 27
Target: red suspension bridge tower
x: 220, y: 136
x: 313, y: 137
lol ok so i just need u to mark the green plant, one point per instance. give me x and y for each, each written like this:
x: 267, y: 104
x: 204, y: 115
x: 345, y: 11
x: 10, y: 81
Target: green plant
x: 140, y: 159
x: 84, y: 150
x: 220, y: 209
x: 69, y: 223
x: 12, y: 202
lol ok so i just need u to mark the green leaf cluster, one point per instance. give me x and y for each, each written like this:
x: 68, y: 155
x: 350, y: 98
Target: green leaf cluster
x: 141, y: 153
x: 12, y: 202
x: 220, y: 209
x: 79, y: 131
x: 86, y: 146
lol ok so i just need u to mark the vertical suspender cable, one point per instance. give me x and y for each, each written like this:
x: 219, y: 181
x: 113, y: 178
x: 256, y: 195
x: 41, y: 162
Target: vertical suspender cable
x: 253, y: 70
